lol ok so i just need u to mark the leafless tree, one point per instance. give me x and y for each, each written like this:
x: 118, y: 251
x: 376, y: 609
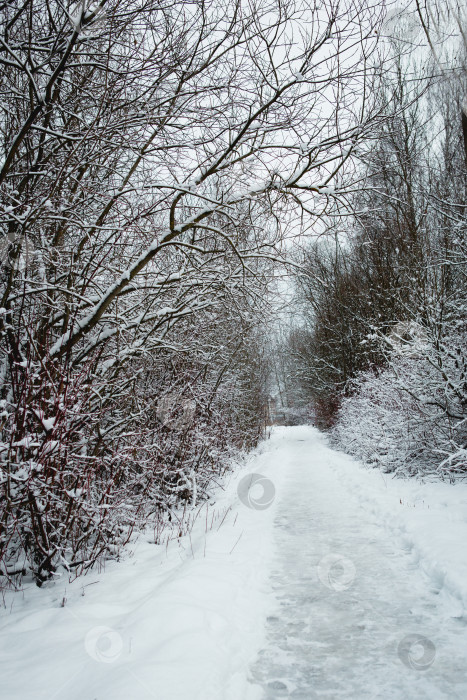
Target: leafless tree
x: 154, y: 154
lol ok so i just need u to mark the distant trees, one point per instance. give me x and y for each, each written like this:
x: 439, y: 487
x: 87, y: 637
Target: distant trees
x: 152, y: 157
x: 384, y: 291
x: 368, y: 272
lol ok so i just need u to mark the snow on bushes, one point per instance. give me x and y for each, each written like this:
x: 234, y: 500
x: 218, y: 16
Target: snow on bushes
x: 410, y: 417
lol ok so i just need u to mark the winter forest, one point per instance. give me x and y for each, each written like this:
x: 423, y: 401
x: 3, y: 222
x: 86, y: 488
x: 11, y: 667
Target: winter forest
x: 219, y: 217
x: 206, y: 205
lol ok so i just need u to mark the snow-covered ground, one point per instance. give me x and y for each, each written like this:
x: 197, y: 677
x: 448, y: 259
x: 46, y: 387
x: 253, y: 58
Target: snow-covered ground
x: 349, y: 584
x: 370, y: 582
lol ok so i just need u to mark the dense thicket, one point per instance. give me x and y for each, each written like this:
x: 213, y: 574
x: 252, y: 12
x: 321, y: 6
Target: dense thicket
x: 152, y: 154
x: 383, y: 343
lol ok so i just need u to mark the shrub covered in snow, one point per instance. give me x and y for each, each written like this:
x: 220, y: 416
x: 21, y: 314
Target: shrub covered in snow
x: 410, y: 418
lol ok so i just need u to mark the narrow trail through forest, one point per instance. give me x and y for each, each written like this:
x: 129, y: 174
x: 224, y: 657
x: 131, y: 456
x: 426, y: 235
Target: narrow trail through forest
x: 350, y: 602
x: 331, y: 581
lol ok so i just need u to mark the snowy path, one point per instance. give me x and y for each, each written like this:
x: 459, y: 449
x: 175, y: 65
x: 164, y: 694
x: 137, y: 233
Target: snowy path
x: 347, y: 597
x: 314, y: 596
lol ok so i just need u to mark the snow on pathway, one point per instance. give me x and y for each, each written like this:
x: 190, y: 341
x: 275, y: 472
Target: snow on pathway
x: 355, y: 616
x: 348, y: 584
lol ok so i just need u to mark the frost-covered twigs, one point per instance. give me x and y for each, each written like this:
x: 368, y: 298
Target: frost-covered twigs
x: 89, y: 459
x: 382, y: 346
x: 152, y: 158
x: 410, y: 418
